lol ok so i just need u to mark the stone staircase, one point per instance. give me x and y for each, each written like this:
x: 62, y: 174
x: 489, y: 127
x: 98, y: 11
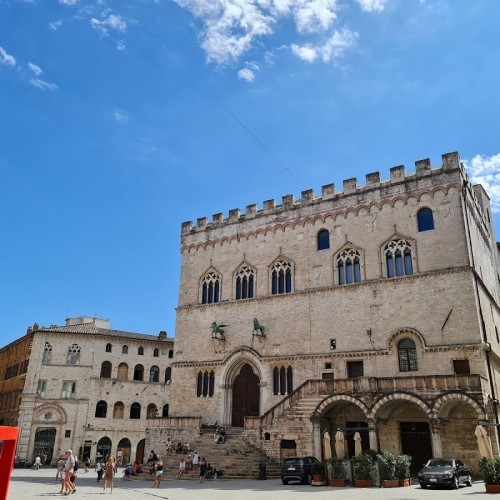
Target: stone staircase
x: 236, y: 457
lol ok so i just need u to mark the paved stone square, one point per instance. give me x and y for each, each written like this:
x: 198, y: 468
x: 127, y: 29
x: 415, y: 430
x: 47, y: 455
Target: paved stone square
x: 28, y: 484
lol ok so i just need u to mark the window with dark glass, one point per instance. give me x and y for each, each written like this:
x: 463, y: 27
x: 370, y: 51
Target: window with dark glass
x: 281, y: 278
x: 355, y: 369
x: 425, y: 220
x: 327, y: 375
x: 106, y: 369
x: 101, y: 409
x: 135, y: 411
x: 323, y: 239
x: 199, y: 384
x: 398, y: 258
x: 205, y: 384
x: 164, y: 412
x: 140, y: 351
x: 156, y: 352
x: 108, y: 347
x: 154, y: 374
x: 210, y: 288
x: 407, y: 354
x: 245, y: 283
x: 171, y: 353
x: 139, y: 372
x: 168, y: 374
x: 461, y: 366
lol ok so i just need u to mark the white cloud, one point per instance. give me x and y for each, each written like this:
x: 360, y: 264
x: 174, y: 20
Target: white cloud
x: 68, y: 2
x: 485, y: 170
x: 120, y: 117
x: 230, y: 28
x: 55, y: 25
x: 332, y: 49
x: 42, y: 84
x: 36, y: 69
x: 246, y: 74
x: 113, y: 22
x: 372, y: 5
x: 120, y: 45
x: 6, y: 59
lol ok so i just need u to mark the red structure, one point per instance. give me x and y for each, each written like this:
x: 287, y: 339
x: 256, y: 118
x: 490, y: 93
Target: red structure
x: 8, y: 438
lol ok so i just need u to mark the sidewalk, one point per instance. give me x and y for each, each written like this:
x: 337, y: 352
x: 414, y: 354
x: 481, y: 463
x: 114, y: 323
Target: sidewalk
x: 27, y: 484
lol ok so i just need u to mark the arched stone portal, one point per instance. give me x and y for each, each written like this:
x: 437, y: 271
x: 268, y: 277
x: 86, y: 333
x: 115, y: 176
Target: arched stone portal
x: 123, y: 451
x: 246, y: 396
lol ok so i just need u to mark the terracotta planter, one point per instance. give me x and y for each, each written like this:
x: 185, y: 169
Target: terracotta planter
x: 390, y: 483
x: 405, y: 482
x: 363, y: 483
x: 492, y: 488
x: 338, y: 483
x: 318, y: 478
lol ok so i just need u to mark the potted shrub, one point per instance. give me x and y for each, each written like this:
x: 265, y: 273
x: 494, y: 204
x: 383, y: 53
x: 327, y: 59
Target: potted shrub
x: 318, y: 472
x: 403, y: 463
x: 336, y: 472
x: 490, y: 472
x: 363, y: 470
x: 387, y: 470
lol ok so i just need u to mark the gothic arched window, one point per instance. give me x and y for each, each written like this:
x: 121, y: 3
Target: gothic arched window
x: 349, y: 267
x: 245, y: 280
x: 398, y: 258
x: 73, y: 357
x: 281, y: 277
x: 47, y: 354
x: 210, y: 288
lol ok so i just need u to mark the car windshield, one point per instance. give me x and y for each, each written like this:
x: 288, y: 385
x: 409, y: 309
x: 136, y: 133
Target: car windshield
x: 439, y: 462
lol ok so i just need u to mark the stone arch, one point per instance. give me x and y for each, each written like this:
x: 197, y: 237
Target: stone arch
x: 330, y: 400
x: 444, y: 403
x: 405, y: 332
x: 59, y: 416
x: 403, y: 397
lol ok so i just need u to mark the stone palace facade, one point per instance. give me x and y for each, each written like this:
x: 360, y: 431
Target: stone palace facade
x: 374, y: 309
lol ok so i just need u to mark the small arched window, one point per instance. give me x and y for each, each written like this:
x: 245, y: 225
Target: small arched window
x: 282, y: 380
x: 73, y: 357
x: 106, y: 369
x: 101, y: 409
x: 425, y: 220
x: 140, y: 351
x: 47, y: 354
x: 323, y: 239
x: 168, y: 374
x: 407, y: 355
x: 164, y: 412
x: 108, y: 347
x: 135, y: 411
x: 281, y: 277
x: 156, y: 352
x: 154, y: 374
x: 119, y: 410
x: 210, y: 288
x: 171, y: 353
x: 398, y: 258
x: 211, y: 384
x: 199, y: 384
x: 151, y: 411
x: 139, y: 372
x: 125, y: 349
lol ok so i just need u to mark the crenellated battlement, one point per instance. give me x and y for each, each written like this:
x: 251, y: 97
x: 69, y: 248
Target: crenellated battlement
x: 450, y: 161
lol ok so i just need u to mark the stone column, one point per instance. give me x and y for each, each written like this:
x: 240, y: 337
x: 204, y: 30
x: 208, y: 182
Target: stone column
x: 317, y: 437
x: 372, y: 434
x: 435, y: 425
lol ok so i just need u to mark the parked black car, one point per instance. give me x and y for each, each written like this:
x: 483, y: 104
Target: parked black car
x: 446, y: 472
x: 298, y: 469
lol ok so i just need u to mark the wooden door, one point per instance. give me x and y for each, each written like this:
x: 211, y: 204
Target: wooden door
x: 416, y: 442
x: 246, y: 394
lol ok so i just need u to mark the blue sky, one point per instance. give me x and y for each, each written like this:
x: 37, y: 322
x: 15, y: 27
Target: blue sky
x: 121, y: 120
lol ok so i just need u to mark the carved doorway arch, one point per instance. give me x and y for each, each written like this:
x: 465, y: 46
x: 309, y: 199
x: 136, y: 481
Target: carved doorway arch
x: 246, y: 396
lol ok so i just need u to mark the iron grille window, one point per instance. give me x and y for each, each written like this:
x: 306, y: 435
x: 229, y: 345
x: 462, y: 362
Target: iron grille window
x: 355, y: 369
x: 407, y: 354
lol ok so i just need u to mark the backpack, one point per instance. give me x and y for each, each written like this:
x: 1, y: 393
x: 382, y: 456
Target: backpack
x: 75, y: 467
